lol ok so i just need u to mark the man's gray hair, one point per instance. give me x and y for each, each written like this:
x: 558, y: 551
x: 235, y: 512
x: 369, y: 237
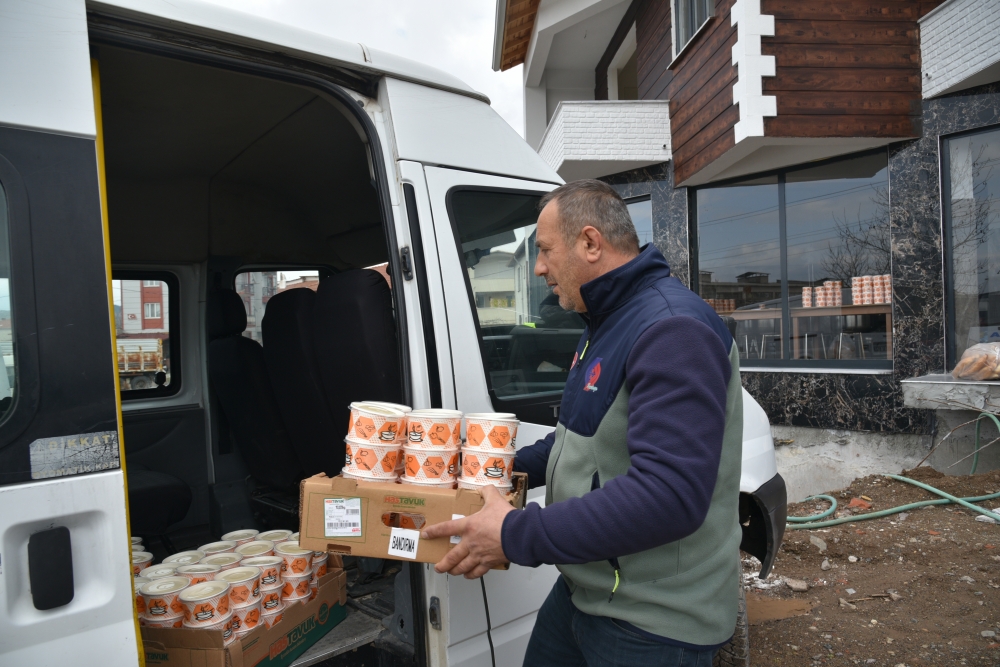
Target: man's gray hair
x: 595, y: 203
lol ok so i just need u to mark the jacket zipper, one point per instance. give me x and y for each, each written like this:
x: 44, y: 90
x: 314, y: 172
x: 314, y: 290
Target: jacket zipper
x: 595, y: 483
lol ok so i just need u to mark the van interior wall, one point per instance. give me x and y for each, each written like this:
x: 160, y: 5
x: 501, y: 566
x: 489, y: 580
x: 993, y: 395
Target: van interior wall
x: 206, y: 162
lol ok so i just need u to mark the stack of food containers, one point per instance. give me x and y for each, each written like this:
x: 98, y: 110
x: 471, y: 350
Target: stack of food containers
x: 158, y: 602
x: 807, y: 297
x: 431, y: 452
x: 244, y: 597
x: 391, y: 443
x: 233, y: 585
x: 296, y: 571
x: 488, y: 455
x: 374, y: 442
x: 271, y: 605
x: 207, y: 606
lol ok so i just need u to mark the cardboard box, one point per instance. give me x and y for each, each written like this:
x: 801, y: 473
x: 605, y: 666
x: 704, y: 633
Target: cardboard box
x: 358, y: 518
x: 301, y: 626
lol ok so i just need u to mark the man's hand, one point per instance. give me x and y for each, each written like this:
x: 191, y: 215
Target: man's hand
x: 480, y: 549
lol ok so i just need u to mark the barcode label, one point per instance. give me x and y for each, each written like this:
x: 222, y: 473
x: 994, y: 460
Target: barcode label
x: 342, y: 517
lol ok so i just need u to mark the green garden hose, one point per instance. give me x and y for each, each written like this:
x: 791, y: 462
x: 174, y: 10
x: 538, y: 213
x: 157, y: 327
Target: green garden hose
x: 810, y: 522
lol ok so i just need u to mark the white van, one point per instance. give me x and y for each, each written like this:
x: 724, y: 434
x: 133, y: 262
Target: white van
x: 177, y: 171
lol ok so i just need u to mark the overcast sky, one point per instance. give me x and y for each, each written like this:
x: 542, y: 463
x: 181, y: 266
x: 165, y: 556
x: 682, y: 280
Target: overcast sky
x: 453, y: 35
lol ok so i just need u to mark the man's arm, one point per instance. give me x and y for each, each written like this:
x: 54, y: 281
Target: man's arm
x: 534, y: 459
x: 678, y: 373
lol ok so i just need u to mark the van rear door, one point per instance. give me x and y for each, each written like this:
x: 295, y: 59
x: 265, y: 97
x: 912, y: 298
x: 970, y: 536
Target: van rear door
x: 65, y: 569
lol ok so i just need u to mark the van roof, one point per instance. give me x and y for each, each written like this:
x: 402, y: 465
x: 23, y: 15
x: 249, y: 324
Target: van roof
x: 223, y: 23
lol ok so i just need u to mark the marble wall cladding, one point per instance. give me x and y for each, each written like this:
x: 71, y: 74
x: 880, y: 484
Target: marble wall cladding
x: 670, y: 218
x: 848, y: 401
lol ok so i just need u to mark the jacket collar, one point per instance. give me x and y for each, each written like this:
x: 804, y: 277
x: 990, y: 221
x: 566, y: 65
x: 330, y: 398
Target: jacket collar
x: 607, y: 292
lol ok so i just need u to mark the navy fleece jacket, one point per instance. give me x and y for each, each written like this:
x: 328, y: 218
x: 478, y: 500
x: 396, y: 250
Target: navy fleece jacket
x: 677, y: 372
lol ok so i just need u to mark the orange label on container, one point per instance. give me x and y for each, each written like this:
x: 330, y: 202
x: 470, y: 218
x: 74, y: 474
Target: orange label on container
x: 365, y: 427
x: 433, y: 466
x: 389, y: 460
x: 158, y: 607
x: 412, y: 465
x: 365, y: 459
x: 500, y: 436
x: 204, y: 612
x: 140, y: 604
x: 453, y: 464
x: 387, y: 433
x: 474, y: 434
x: 299, y: 566
x: 302, y: 588
x: 320, y: 570
x: 439, y: 434
x: 268, y: 575
x: 198, y: 580
x: 239, y: 594
x: 252, y: 618
x: 223, y: 605
x: 470, y: 465
x: 287, y: 589
x: 416, y: 432
x: 456, y: 432
x: 271, y: 599
x: 494, y: 468
x: 347, y: 452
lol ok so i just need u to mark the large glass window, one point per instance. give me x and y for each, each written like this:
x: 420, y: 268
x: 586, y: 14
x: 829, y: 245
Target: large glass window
x: 801, y: 260
x: 971, y: 176
x: 8, y: 376
x: 147, y: 355
x: 640, y: 210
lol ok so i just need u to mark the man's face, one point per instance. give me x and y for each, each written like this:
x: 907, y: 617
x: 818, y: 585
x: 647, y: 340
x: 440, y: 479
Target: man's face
x: 563, y: 265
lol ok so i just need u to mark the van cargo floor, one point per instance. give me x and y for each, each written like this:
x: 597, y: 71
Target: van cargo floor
x: 357, y: 630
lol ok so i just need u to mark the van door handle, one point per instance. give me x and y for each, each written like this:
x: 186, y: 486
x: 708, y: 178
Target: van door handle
x: 50, y: 568
x: 406, y: 263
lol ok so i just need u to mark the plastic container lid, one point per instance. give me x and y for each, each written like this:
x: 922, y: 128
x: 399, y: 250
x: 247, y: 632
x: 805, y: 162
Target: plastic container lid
x: 204, y: 590
x: 141, y: 557
x: 291, y: 548
x: 159, y: 571
x: 221, y: 560
x: 164, y: 585
x: 255, y: 548
x: 239, y: 574
x: 238, y: 535
x: 185, y: 557
x: 275, y: 535
x: 217, y: 547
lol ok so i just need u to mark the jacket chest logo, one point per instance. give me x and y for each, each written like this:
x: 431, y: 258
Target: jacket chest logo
x: 593, y: 373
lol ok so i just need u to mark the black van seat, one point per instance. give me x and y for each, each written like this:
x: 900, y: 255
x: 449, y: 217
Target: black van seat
x: 287, y: 328
x: 156, y: 501
x: 239, y: 380
x: 355, y: 334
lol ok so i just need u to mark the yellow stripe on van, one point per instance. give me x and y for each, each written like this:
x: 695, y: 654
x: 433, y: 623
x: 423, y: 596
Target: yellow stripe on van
x: 95, y: 75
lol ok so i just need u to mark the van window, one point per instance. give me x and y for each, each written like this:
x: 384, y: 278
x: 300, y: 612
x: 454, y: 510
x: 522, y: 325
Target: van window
x: 8, y: 376
x: 527, y: 340
x: 144, y: 316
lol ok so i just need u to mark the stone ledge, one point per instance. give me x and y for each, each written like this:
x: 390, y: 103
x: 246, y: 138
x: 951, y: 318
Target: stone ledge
x: 943, y: 392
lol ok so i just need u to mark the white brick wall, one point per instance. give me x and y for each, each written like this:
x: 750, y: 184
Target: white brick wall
x: 618, y: 132
x: 957, y: 40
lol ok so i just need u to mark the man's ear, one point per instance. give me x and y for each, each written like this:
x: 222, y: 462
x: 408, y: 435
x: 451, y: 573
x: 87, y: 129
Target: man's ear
x: 593, y: 243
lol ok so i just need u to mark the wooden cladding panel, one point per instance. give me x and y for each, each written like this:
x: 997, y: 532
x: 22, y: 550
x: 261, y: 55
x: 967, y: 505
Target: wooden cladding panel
x: 517, y: 27
x: 846, y: 79
x: 699, y: 86
x: 845, y: 68
x: 653, y: 47
x: 842, y: 126
x: 844, y: 32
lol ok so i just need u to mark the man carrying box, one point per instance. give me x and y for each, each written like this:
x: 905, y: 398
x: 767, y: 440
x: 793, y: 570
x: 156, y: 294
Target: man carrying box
x: 642, y: 472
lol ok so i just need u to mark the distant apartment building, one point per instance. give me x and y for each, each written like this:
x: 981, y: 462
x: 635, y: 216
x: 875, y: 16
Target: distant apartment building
x: 145, y: 309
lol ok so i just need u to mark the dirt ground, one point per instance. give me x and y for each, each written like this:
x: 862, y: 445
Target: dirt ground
x: 914, y: 589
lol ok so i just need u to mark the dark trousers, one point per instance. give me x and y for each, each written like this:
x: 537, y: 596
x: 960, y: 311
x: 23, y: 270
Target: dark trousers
x: 565, y: 636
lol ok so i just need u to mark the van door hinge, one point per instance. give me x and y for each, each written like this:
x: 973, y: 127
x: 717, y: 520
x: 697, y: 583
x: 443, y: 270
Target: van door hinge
x: 434, y: 613
x: 406, y: 263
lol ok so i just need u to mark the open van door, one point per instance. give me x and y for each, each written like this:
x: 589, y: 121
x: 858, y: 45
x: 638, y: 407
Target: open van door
x: 65, y: 568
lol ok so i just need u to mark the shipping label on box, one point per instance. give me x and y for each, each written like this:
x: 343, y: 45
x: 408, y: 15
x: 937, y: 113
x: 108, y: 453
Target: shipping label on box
x: 379, y: 520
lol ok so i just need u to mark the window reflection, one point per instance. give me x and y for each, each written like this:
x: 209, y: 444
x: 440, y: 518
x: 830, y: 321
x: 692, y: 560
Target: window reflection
x: 835, y: 252
x: 8, y: 376
x: 972, y: 194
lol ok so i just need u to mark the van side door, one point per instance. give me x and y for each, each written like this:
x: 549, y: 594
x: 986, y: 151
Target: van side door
x: 65, y: 569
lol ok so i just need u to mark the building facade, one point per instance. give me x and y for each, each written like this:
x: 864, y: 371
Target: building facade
x: 828, y: 174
